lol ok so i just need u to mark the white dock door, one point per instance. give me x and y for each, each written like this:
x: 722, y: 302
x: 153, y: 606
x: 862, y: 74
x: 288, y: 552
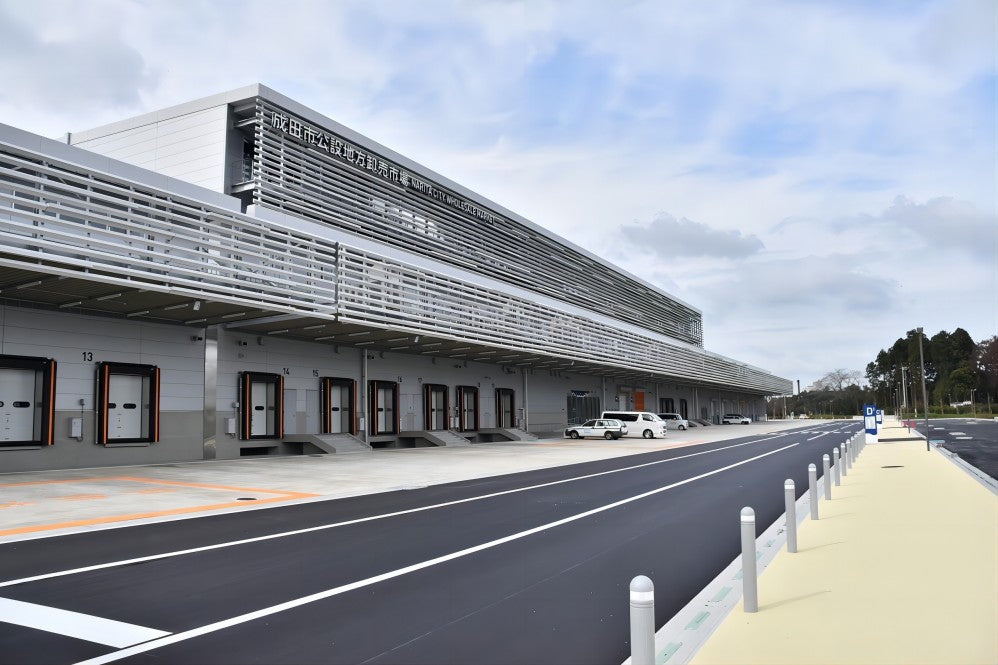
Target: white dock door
x: 17, y: 405
x: 124, y: 407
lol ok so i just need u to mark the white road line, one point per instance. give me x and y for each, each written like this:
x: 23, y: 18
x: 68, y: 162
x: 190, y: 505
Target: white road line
x: 820, y: 435
x: 958, y: 433
x: 112, y: 633
x: 329, y: 593
x: 322, y: 527
x: 965, y: 438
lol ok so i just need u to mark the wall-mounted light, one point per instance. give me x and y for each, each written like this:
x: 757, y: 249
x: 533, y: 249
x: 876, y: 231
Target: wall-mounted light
x: 415, y: 339
x: 197, y: 305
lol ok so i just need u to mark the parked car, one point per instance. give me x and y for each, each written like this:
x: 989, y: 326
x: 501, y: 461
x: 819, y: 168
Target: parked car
x: 604, y: 427
x: 639, y: 423
x: 735, y: 419
x: 674, y: 421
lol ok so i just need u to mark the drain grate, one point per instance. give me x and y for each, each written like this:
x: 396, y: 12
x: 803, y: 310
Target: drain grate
x: 246, y: 498
x: 893, y: 466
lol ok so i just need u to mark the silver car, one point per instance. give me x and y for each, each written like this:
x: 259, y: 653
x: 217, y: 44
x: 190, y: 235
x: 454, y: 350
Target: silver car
x: 674, y: 421
x: 604, y: 427
x: 735, y: 419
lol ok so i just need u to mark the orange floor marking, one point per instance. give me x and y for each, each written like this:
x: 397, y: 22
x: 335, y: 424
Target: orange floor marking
x: 280, y: 495
x: 81, y: 497
x: 53, y: 482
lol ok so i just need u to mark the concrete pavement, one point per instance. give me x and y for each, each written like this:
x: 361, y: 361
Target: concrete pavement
x: 34, y: 504
x: 901, y: 567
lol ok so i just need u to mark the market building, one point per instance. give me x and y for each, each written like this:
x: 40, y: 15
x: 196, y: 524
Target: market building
x: 240, y: 275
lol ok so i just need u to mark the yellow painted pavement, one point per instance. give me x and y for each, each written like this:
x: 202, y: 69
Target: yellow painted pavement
x: 901, y: 567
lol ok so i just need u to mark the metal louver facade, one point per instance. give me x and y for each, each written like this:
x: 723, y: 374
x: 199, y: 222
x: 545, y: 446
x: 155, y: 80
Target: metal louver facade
x: 308, y: 171
x: 75, y: 221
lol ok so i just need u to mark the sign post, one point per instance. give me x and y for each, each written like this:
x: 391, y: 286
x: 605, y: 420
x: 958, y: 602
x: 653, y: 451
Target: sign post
x: 870, y: 419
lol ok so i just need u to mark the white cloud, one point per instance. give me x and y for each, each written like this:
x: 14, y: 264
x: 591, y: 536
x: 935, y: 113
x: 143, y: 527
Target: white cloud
x: 587, y: 117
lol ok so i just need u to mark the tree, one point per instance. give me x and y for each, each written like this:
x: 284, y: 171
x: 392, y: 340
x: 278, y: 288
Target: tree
x: 837, y: 379
x: 960, y: 381
x: 986, y: 363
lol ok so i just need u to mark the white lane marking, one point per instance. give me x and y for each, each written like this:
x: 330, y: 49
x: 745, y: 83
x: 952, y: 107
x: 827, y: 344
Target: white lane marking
x: 815, y: 437
x: 329, y: 593
x: 322, y: 527
x: 965, y: 438
x: 112, y: 633
x: 958, y: 433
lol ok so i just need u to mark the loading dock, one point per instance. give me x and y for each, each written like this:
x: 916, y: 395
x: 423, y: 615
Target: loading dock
x: 467, y: 409
x: 338, y: 397
x: 261, y: 400
x: 436, y: 405
x: 127, y: 403
x: 384, y: 401
x: 505, y: 405
x: 27, y: 400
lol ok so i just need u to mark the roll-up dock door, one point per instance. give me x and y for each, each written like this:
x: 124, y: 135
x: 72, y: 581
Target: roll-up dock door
x: 27, y: 401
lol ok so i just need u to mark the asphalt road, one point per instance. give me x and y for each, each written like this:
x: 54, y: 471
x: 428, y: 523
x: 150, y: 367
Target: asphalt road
x: 524, y: 568
x: 974, y: 440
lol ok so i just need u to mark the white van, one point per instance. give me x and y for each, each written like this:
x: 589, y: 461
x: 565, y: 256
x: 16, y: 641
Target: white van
x: 639, y: 423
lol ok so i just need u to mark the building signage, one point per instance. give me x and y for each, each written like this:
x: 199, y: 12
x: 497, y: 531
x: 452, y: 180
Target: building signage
x: 348, y: 152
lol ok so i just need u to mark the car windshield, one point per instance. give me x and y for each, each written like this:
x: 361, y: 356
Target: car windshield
x: 590, y: 423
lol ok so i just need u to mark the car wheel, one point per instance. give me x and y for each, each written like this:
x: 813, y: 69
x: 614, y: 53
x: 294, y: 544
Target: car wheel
x: 682, y: 427
x: 608, y: 436
x: 573, y: 434
x: 648, y: 434
x: 744, y: 423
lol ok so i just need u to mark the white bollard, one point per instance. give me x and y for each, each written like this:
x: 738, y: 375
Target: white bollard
x: 845, y: 459
x: 750, y: 590
x: 812, y: 488
x: 835, y: 468
x: 826, y: 476
x: 642, y: 621
x: 790, y: 504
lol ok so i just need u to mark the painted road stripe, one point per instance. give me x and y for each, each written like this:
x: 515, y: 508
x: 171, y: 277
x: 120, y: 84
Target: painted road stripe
x: 336, y: 591
x: 819, y: 435
x: 112, y: 633
x: 958, y: 433
x: 965, y: 438
x: 322, y: 527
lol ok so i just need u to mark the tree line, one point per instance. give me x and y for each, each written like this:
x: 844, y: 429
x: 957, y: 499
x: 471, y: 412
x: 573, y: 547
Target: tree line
x: 957, y: 370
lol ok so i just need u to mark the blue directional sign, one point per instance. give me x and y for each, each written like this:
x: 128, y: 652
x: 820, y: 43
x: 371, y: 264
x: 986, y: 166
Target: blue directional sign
x: 880, y: 417
x: 870, y: 418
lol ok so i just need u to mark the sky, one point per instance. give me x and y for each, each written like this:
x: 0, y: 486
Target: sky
x: 818, y: 177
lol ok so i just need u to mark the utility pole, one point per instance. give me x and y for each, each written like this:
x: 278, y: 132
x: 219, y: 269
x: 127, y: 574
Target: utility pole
x: 904, y: 395
x: 973, y: 405
x: 925, y: 402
